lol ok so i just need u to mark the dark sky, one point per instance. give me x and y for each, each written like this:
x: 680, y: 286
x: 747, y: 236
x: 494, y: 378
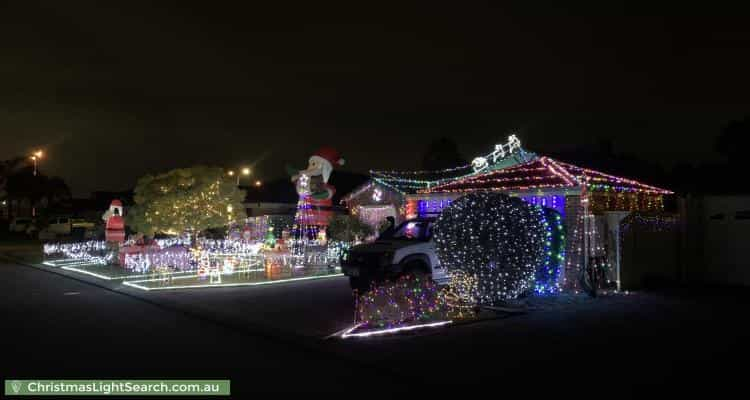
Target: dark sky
x: 116, y: 91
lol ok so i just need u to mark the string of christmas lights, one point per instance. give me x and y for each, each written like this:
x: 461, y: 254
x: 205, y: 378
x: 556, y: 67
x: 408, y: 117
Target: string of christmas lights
x: 548, y: 273
x: 421, y: 172
x: 543, y: 172
x: 614, y: 181
x: 175, y: 258
x: 409, y: 181
x: 92, y: 251
x: 403, y: 302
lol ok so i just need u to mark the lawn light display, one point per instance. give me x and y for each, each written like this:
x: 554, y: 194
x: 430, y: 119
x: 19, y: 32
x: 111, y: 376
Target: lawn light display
x: 405, y: 301
x: 243, y: 258
x: 94, y: 252
x: 261, y: 250
x: 404, y: 305
x: 498, y: 241
x: 314, y: 208
x: 179, y: 262
x: 174, y: 257
x: 114, y: 222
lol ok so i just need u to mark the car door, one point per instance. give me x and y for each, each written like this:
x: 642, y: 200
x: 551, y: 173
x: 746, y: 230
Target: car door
x: 439, y: 273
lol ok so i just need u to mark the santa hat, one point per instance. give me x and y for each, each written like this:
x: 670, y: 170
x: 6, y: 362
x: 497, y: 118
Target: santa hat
x: 327, y: 157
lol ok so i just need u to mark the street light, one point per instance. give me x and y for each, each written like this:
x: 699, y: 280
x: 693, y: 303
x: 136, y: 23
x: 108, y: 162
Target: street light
x: 244, y: 171
x: 36, y: 156
x: 258, y: 183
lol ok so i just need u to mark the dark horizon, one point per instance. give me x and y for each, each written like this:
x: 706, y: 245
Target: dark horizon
x: 114, y: 93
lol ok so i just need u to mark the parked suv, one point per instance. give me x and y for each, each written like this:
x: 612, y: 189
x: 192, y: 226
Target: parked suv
x: 64, y: 226
x: 408, y: 249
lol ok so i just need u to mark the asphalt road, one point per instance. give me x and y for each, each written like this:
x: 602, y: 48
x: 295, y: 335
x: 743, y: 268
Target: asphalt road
x: 54, y: 326
x: 270, y: 338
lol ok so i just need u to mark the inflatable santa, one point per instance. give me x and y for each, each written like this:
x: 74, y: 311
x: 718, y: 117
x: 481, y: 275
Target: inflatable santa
x: 312, y: 184
x: 115, y: 223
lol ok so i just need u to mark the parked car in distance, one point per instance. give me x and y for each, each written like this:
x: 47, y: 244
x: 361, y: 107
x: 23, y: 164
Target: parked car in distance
x: 408, y: 249
x: 59, y: 226
x: 20, y: 225
x: 81, y: 223
x: 64, y: 226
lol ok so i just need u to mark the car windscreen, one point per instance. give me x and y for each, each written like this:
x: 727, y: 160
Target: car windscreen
x: 410, y: 230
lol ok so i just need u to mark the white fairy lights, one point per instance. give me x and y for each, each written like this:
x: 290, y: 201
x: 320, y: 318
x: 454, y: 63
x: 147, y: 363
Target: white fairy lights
x: 89, y: 252
x: 350, y: 333
x: 495, y: 240
x: 501, y: 151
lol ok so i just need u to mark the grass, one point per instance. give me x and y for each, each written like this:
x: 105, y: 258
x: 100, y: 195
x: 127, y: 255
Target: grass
x: 30, y: 251
x: 260, y: 276
x: 116, y: 272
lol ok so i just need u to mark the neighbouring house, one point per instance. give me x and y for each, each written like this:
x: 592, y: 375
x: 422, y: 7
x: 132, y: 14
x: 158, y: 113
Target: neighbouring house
x: 375, y: 200
x: 272, y: 198
x: 716, y: 232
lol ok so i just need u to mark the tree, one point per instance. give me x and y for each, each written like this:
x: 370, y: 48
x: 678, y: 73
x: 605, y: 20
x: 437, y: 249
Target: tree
x: 734, y: 140
x: 442, y: 153
x: 19, y: 184
x: 348, y: 228
x: 8, y: 168
x: 186, y: 200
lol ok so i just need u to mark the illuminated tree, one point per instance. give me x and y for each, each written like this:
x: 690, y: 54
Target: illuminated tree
x: 186, y: 200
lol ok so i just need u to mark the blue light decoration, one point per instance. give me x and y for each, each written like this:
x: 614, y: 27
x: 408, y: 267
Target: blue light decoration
x: 554, y: 202
x: 550, y: 209
x: 432, y: 207
x: 548, y: 273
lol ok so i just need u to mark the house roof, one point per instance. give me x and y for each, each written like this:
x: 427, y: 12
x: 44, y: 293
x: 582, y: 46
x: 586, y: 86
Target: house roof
x: 508, y: 168
x: 542, y: 173
x: 411, y: 182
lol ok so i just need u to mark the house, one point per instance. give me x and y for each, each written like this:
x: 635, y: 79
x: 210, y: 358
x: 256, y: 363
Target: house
x: 592, y: 203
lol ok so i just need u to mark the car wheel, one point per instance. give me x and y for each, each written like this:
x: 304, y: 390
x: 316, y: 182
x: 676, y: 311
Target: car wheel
x: 417, y: 271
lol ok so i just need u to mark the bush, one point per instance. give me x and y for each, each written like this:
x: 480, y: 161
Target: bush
x: 405, y: 301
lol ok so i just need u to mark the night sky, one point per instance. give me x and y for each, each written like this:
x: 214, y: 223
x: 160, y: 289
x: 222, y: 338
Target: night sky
x: 113, y: 92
